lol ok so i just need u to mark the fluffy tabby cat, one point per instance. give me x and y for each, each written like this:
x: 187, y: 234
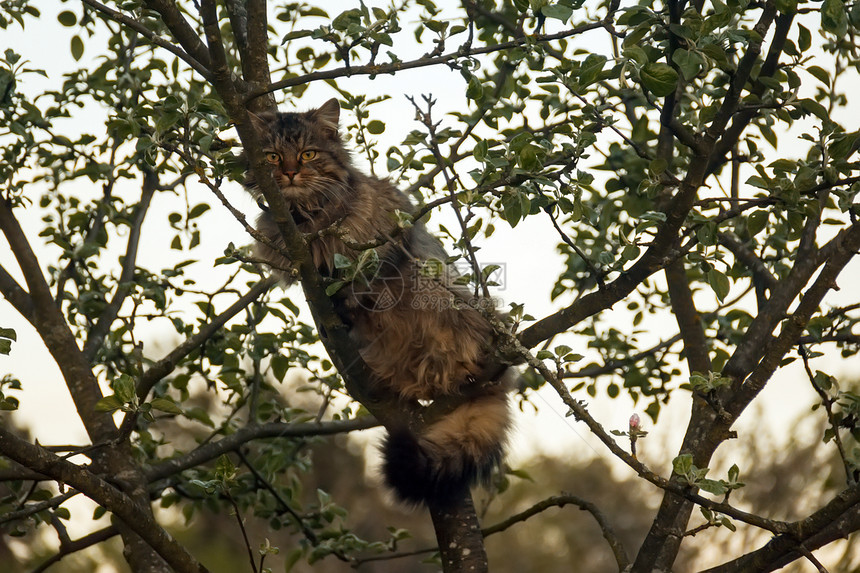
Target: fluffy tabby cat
x: 416, y: 339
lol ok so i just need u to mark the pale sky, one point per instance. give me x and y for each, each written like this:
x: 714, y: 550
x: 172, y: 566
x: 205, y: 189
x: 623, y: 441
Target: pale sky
x: 528, y: 252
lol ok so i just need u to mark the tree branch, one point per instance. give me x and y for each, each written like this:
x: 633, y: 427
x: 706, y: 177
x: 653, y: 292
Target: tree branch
x: 729, y: 137
x: 35, y: 508
x: 749, y: 259
x: 613, y: 365
x: 827, y: 402
x: 69, y: 547
x: 55, y: 333
x: 839, y: 518
x: 16, y: 295
x: 456, y: 525
x: 240, y: 437
x: 252, y: 40
x: 96, y: 335
x: 618, y: 551
x: 688, y: 318
x: 141, y: 29
x: 393, y: 67
x: 166, y: 365
x: 650, y: 262
x: 842, y: 249
x: 136, y: 518
x: 182, y: 32
x: 741, y: 76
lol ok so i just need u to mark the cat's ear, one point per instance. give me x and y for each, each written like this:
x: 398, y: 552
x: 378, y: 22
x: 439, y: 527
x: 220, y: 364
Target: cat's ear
x: 328, y: 114
x: 262, y: 122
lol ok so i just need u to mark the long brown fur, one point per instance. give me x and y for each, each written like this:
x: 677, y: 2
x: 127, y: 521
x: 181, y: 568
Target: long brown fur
x: 419, y: 339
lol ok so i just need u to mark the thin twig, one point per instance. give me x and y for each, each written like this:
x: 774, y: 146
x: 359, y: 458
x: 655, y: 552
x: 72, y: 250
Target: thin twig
x: 811, y: 558
x: 597, y: 274
x: 76, y: 545
x: 393, y: 67
x: 35, y: 508
x: 308, y: 533
x: 606, y: 529
x: 237, y: 512
x: 235, y: 440
x: 827, y: 402
x: 141, y: 29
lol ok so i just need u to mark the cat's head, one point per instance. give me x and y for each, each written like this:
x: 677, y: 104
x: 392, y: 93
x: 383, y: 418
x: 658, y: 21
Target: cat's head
x: 306, y: 154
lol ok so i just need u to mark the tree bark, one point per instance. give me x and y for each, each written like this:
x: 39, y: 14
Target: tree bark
x: 461, y: 543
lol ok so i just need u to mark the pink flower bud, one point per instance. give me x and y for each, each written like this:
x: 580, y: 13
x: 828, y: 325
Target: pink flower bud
x: 634, y: 421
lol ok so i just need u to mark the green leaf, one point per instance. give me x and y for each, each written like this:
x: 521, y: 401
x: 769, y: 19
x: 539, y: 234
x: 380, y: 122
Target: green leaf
x: 804, y: 38
x: 480, y: 151
x: 225, y: 469
x: 109, y: 404
x: 658, y: 78
x: 166, y: 405
x: 815, y: 108
x: 719, y: 283
x: 833, y: 17
x: 376, y: 127
x: 475, y: 89
x: 67, y: 18
x: 334, y: 287
x: 820, y: 74
x: 757, y: 221
x: 658, y: 166
x: 712, y: 486
x: 280, y: 365
x: 124, y: 388
x: 512, y: 209
x: 7, y: 85
x: 199, y: 414
x: 198, y: 210
x: 292, y: 558
x: 683, y: 464
x: 590, y: 69
x: 786, y: 6
x: 314, y: 11
x: 437, y: 26
x: 557, y: 11
x: 341, y: 261
x: 690, y: 63
x: 716, y: 53
x: 529, y: 159
x: 840, y: 148
x: 734, y: 473
x: 296, y: 34
x: 77, y: 47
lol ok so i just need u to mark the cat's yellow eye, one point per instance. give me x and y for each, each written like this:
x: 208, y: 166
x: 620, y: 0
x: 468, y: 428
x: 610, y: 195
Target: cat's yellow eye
x: 273, y: 157
x: 308, y: 155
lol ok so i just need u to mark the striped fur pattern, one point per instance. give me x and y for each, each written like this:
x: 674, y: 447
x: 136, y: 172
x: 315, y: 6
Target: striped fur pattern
x: 418, y: 339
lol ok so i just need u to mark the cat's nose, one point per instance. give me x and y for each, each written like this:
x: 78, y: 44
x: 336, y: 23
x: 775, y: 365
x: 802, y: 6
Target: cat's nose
x: 290, y: 175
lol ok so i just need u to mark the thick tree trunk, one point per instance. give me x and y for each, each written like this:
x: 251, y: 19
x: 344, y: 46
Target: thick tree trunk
x: 458, y: 533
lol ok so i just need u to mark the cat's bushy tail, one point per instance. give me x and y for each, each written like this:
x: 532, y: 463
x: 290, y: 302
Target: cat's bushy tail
x: 449, y: 455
